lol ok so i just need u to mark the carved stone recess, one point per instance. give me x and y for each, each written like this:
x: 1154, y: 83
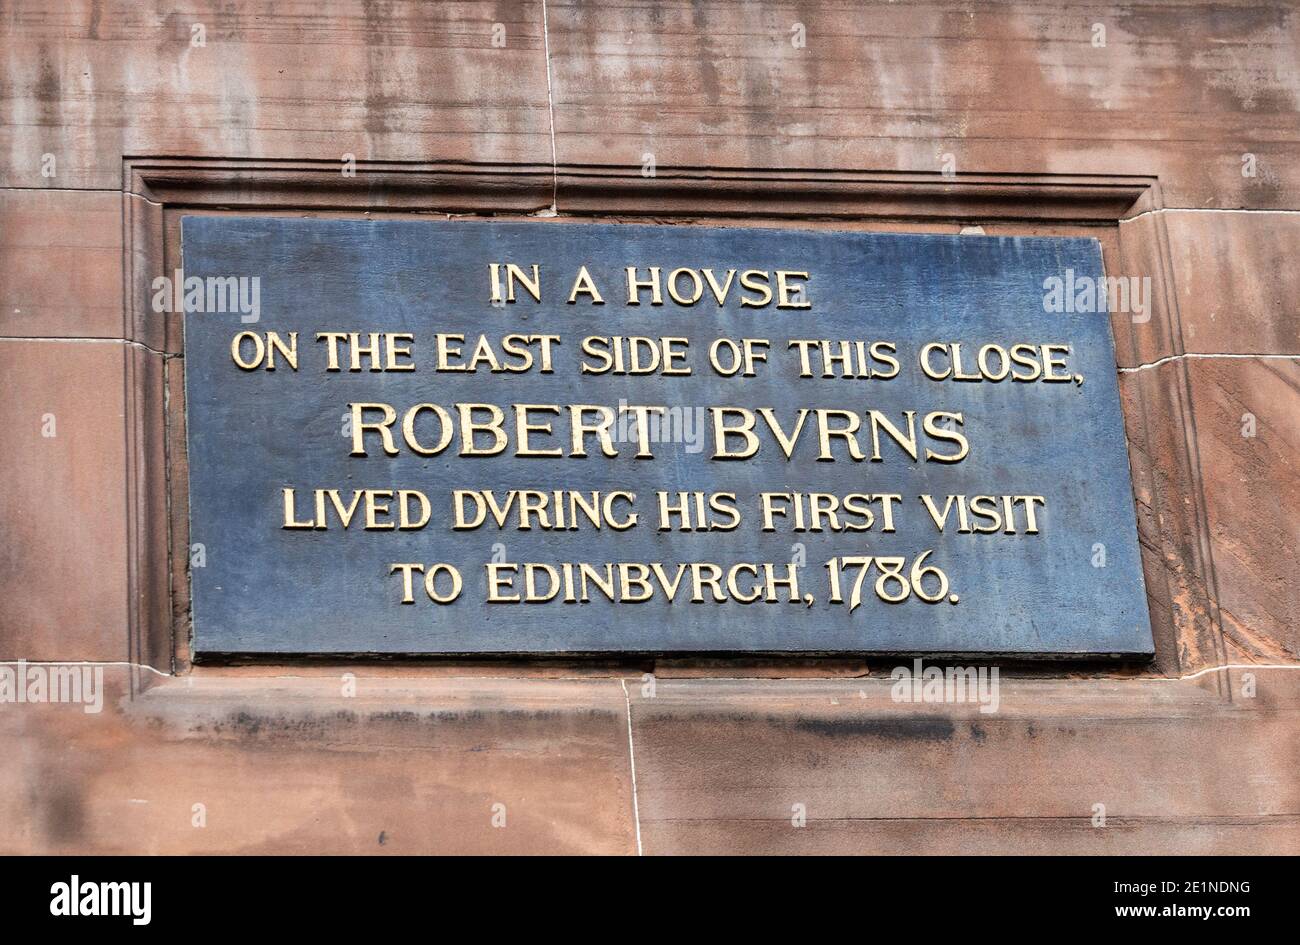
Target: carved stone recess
x: 159, y: 189
x: 457, y: 187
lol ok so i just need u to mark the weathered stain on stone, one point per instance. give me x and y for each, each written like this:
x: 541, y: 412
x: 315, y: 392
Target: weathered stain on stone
x: 922, y: 728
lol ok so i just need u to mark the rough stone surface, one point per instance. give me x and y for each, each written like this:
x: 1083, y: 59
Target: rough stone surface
x: 1179, y: 90
x: 60, y: 264
x: 63, y: 560
x: 1199, y: 100
x: 1248, y: 432
x: 1238, y: 285
x: 289, y: 765
x: 89, y: 82
x: 286, y: 763
x: 721, y: 766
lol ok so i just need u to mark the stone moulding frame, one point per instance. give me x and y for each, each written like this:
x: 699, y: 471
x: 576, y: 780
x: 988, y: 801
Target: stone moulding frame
x: 1121, y: 211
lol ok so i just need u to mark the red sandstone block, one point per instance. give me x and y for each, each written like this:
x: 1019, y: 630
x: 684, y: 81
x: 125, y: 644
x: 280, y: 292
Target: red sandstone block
x: 736, y: 765
x: 1248, y: 439
x: 291, y: 765
x: 90, y: 82
x: 1140, y: 254
x: 63, y: 564
x: 1171, y: 519
x: 1002, y: 89
x: 1236, y: 280
x: 60, y: 264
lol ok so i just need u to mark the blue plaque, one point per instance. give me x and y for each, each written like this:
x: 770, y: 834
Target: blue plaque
x: 418, y: 437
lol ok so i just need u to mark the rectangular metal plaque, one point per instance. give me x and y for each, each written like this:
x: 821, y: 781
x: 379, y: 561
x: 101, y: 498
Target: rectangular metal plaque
x: 537, y: 438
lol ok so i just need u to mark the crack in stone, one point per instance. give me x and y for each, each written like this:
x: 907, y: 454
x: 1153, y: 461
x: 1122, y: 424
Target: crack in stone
x: 1205, y: 355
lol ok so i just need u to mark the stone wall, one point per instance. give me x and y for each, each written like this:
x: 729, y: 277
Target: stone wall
x: 1172, y: 133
